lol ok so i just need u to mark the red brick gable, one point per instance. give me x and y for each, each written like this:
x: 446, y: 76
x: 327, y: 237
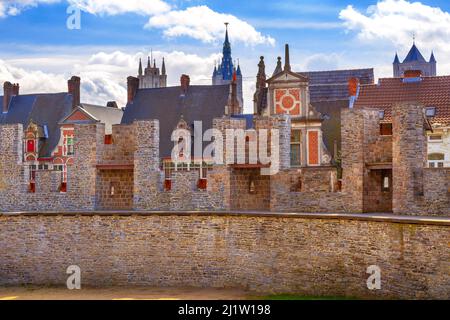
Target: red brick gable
x: 78, y: 115
x: 430, y: 91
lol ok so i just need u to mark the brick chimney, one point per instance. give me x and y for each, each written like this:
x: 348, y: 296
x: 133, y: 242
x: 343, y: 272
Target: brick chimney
x: 185, y: 82
x: 353, y: 85
x: 15, y: 89
x: 233, y: 103
x: 412, y: 74
x: 74, y: 89
x: 132, y: 87
x: 7, y: 95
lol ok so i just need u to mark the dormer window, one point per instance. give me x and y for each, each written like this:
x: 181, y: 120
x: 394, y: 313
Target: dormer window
x: 381, y: 114
x: 69, y: 146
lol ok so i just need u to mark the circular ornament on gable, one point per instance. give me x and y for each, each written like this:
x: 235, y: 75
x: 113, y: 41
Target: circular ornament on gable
x: 287, y: 102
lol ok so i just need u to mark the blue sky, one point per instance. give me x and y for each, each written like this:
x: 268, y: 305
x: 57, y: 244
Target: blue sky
x: 37, y: 49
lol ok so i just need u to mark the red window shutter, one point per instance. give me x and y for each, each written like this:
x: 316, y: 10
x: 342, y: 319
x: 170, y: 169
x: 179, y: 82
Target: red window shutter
x: 313, y: 147
x: 32, y: 187
x: 167, y: 185
x: 202, y: 184
x: 30, y: 146
x: 108, y: 139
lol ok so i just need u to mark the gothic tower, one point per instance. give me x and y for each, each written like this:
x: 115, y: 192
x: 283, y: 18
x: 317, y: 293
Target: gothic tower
x: 415, y: 61
x: 152, y: 77
x: 223, y: 73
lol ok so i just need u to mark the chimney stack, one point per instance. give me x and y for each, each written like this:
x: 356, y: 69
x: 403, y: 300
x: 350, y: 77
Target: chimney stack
x: 132, y: 87
x: 353, y: 85
x: 15, y: 89
x: 234, y: 107
x: 74, y: 89
x: 185, y: 82
x: 7, y: 95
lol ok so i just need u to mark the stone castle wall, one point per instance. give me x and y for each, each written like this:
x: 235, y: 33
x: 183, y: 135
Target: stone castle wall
x: 299, y: 254
x: 15, y: 193
x: 417, y: 190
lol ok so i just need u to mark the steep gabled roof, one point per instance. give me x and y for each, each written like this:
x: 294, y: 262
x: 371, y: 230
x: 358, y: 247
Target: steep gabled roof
x: 333, y: 85
x: 414, y: 55
x: 43, y: 109
x: 430, y: 91
x: 168, y: 105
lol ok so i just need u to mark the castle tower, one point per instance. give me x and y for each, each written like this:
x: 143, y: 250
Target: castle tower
x: 415, y: 61
x: 152, y: 76
x: 223, y: 73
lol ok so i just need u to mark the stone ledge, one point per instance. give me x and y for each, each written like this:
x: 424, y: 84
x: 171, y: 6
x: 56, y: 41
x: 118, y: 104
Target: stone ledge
x: 423, y: 220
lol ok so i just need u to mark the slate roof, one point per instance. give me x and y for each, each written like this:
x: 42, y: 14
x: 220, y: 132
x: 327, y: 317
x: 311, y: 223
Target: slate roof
x: 430, y: 91
x: 414, y: 55
x: 43, y: 109
x: 107, y: 115
x: 333, y: 85
x: 168, y: 105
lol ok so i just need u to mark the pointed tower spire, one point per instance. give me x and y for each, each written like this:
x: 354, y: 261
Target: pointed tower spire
x: 163, y: 67
x: 279, y: 67
x: 287, y: 63
x: 239, y: 72
x: 154, y: 63
x: 396, y: 59
x: 140, y: 66
x: 148, y: 63
x: 226, y: 33
x: 432, y: 58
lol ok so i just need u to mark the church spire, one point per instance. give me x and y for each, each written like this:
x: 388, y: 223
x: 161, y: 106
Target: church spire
x: 148, y: 63
x: 140, y: 66
x: 227, y: 61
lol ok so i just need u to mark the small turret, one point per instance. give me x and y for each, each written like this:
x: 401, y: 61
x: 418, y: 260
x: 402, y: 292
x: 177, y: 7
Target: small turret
x: 396, y: 59
x: 279, y: 67
x: 432, y: 58
x: 261, y: 77
x: 140, y: 66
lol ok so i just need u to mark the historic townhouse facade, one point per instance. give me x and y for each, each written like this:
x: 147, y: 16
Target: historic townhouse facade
x: 130, y: 167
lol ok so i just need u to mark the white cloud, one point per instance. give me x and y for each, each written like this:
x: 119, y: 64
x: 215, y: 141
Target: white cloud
x: 115, y: 7
x: 15, y: 7
x: 103, y: 74
x: 202, y: 23
x: 395, y: 21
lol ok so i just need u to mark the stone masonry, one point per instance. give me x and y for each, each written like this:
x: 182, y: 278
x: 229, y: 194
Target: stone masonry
x: 298, y: 254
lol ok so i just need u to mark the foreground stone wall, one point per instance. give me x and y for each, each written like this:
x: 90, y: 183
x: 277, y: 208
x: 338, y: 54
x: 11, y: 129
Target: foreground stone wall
x: 309, y: 255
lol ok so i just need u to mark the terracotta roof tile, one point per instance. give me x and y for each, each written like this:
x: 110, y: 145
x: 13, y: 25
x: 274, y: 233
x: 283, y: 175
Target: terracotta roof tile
x: 430, y: 91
